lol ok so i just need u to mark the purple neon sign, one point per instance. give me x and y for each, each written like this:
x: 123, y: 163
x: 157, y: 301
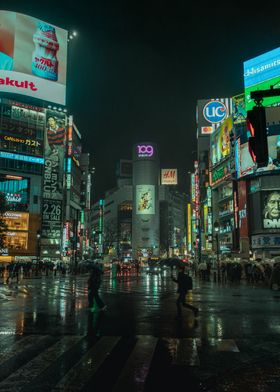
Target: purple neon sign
x: 145, y: 150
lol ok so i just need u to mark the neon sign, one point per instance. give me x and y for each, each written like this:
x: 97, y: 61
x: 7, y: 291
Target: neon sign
x: 145, y: 150
x: 25, y: 158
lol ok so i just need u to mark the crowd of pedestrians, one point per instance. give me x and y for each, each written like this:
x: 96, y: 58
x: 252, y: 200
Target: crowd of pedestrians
x: 229, y: 270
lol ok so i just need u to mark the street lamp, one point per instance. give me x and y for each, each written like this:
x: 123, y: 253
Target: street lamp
x: 38, y: 245
x: 216, y: 229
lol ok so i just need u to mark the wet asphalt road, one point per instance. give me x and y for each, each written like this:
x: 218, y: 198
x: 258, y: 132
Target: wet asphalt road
x: 49, y: 340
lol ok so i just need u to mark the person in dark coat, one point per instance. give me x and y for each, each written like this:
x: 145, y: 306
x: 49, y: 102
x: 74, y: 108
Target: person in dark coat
x: 94, y: 282
x: 184, y: 283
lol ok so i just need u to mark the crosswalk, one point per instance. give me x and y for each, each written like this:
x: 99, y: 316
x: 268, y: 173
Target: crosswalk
x: 108, y: 363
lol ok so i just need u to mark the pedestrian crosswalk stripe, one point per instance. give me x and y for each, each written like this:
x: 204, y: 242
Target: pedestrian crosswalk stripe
x: 25, y: 374
x: 75, y: 363
x: 85, y: 369
x: 135, y: 372
x: 19, y: 346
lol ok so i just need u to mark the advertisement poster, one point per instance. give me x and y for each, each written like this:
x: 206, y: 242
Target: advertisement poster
x: 51, y: 218
x: 55, y: 142
x: 271, y: 209
x: 239, y: 112
x: 33, y: 57
x: 145, y: 199
x: 220, y: 141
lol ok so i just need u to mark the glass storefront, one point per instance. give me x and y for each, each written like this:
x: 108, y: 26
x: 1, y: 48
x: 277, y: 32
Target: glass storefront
x: 16, y: 240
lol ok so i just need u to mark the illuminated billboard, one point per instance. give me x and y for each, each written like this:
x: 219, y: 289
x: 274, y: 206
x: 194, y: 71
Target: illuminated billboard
x: 145, y: 199
x: 16, y: 190
x: 169, y: 177
x: 271, y: 209
x: 239, y: 112
x: 244, y: 163
x: 260, y: 73
x: 33, y: 57
x: 220, y: 141
x: 210, y: 113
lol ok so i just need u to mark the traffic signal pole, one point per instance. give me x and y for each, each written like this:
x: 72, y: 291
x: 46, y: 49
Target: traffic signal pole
x: 256, y: 123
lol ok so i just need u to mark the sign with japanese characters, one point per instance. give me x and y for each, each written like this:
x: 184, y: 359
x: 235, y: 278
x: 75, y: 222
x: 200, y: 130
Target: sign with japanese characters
x: 265, y: 241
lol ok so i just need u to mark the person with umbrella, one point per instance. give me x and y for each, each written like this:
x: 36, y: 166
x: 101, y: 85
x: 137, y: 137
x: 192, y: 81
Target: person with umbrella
x: 184, y: 283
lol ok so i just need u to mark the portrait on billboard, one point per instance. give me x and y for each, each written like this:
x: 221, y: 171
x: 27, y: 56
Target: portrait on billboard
x: 145, y: 199
x: 55, y: 139
x: 271, y: 209
x: 55, y: 131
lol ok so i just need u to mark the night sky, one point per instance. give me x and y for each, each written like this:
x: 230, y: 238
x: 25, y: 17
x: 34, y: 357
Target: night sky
x: 137, y: 69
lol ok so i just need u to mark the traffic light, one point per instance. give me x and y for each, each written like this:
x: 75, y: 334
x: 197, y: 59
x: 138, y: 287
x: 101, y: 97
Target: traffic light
x: 256, y: 123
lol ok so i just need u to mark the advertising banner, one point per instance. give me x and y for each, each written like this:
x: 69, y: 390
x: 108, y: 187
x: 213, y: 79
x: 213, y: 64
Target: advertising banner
x: 51, y: 218
x: 260, y: 73
x: 239, y: 112
x: 211, y: 113
x: 55, y: 145
x: 169, y: 177
x: 220, y: 141
x: 145, y: 199
x: 33, y: 57
x: 271, y: 209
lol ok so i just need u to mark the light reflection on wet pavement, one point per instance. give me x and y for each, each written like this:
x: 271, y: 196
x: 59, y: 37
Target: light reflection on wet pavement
x: 232, y: 346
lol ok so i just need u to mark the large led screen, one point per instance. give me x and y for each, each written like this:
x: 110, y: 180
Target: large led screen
x: 259, y: 74
x: 271, y: 209
x: 33, y: 57
x: 145, y: 199
x: 245, y: 164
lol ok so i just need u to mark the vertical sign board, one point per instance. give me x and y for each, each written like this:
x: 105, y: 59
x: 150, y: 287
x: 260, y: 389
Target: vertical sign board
x: 53, y: 179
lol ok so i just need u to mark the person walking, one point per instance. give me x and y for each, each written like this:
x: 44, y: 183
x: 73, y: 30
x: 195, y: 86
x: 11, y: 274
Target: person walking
x: 184, y: 282
x: 94, y: 283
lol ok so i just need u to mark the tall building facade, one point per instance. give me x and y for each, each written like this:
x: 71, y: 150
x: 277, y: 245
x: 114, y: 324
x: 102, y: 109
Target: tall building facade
x: 145, y: 211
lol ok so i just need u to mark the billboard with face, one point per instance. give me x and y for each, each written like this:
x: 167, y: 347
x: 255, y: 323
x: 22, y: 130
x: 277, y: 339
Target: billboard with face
x: 260, y: 73
x: 55, y: 145
x: 145, y: 199
x: 33, y: 57
x: 271, y: 209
